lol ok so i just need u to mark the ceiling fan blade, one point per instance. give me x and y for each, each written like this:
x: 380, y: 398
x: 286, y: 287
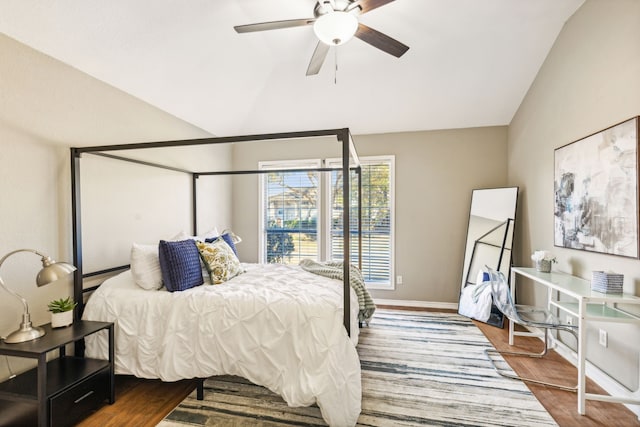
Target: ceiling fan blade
x: 367, y: 5
x: 317, y: 59
x: 381, y: 41
x: 274, y: 25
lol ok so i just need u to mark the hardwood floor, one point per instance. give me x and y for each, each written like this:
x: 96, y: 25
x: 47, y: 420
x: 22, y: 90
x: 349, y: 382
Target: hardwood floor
x: 562, y: 405
x: 140, y: 402
x: 146, y: 402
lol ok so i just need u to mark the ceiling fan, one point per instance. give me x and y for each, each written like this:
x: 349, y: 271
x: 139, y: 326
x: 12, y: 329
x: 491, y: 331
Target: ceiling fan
x: 335, y: 22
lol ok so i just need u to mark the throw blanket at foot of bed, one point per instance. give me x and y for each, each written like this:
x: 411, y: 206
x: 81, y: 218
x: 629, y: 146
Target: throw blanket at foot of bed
x: 335, y: 270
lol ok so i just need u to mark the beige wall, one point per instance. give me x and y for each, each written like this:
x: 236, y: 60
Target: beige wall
x: 246, y: 187
x: 142, y: 204
x: 29, y: 218
x: 44, y: 97
x: 589, y: 81
x: 435, y: 173
x: 47, y: 107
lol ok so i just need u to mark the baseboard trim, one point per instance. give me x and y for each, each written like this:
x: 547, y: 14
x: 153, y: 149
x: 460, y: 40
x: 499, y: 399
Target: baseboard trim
x: 594, y: 373
x: 417, y: 304
x: 598, y: 376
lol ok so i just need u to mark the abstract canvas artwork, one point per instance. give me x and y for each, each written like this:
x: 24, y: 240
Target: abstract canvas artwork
x: 596, y: 192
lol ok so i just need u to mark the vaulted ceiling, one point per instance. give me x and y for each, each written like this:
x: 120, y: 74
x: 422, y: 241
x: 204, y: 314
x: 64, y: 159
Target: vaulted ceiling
x: 470, y: 62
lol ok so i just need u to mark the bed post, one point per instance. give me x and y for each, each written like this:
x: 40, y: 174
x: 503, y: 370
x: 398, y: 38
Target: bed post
x: 359, y: 174
x: 77, y: 231
x: 194, y: 202
x: 343, y: 135
x: 200, y: 389
x: 77, y: 242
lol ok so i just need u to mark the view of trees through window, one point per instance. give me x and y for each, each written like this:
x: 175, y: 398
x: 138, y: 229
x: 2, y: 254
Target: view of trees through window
x: 376, y: 221
x: 293, y: 216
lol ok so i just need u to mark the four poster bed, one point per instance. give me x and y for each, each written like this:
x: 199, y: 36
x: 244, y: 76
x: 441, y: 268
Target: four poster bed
x: 279, y: 326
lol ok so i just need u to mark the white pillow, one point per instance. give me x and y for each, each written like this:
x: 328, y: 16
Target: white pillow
x: 209, y: 234
x: 145, y: 266
x: 182, y: 235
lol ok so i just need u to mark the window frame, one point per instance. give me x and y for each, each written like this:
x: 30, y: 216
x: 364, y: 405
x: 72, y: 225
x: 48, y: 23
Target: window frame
x: 270, y: 165
x: 324, y: 206
x: 364, y: 160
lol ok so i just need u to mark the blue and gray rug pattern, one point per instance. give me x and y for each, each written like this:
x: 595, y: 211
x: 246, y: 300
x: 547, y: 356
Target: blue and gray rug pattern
x: 418, y: 368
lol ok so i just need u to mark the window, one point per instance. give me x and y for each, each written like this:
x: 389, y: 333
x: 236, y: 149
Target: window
x: 295, y: 202
x: 377, y: 219
x: 290, y: 202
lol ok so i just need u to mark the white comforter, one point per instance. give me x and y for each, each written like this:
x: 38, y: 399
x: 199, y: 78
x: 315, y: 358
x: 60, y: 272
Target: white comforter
x: 275, y: 325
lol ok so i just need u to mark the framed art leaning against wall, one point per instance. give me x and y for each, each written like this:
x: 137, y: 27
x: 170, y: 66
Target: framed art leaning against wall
x: 596, y: 192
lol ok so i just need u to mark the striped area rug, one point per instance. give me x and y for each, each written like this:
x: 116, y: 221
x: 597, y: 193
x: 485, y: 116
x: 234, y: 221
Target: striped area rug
x: 418, y: 368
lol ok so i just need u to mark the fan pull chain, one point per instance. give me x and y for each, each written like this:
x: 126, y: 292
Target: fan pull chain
x: 335, y: 71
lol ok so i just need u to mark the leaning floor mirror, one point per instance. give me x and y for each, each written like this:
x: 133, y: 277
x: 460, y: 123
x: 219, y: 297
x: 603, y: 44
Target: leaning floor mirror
x: 489, y: 241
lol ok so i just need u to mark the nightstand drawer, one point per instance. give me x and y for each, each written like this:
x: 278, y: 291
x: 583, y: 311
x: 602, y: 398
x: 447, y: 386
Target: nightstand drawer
x: 72, y: 405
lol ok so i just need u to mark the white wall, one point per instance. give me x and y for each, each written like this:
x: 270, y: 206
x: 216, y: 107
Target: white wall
x: 125, y: 202
x: 589, y: 81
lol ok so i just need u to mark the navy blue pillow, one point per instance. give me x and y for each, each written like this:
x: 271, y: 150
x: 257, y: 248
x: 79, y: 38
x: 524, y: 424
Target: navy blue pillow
x: 227, y: 238
x: 180, y: 264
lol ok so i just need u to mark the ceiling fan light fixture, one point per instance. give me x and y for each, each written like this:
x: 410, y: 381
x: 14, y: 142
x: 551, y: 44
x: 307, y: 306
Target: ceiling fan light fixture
x: 336, y: 28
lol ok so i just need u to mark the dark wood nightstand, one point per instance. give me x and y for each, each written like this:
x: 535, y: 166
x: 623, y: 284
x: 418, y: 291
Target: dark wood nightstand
x: 63, y: 390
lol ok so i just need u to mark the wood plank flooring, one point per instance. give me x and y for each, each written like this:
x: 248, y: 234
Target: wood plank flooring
x: 144, y: 403
x: 140, y: 403
x: 562, y: 405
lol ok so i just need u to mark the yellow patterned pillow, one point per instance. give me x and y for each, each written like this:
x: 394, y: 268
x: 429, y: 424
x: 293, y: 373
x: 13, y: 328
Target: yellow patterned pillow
x: 220, y: 261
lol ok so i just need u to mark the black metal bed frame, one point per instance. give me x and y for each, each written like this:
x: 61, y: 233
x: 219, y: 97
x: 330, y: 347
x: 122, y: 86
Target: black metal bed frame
x: 348, y: 151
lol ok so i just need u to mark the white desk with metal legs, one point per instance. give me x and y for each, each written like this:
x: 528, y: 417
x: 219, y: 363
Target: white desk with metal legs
x: 586, y: 305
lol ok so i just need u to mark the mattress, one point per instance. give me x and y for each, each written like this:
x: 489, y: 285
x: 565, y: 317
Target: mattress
x: 276, y: 325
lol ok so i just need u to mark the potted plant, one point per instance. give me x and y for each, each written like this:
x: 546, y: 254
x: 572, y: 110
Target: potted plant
x: 543, y: 260
x: 61, y: 312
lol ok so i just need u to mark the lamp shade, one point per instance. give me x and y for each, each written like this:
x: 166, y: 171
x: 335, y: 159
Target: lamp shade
x: 52, y: 271
x: 335, y: 28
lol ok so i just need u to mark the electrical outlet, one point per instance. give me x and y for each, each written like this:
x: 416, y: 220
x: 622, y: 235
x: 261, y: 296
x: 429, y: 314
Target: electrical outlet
x: 569, y: 319
x: 602, y: 338
x: 399, y: 280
